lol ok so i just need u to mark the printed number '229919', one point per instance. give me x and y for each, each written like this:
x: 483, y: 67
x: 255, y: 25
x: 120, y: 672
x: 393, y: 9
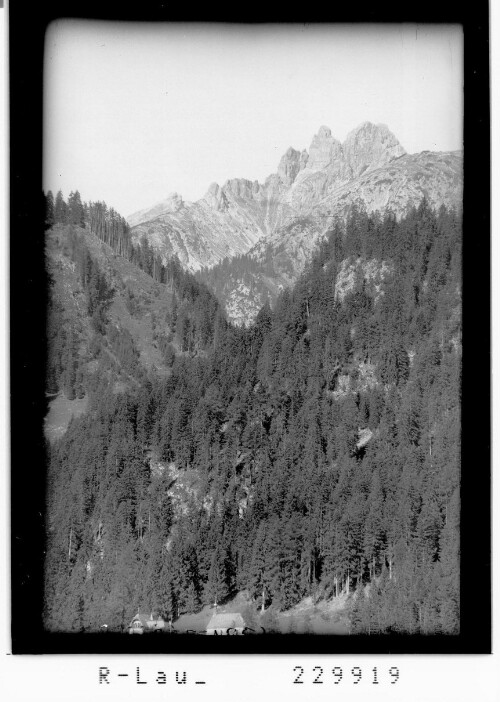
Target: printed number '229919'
x: 320, y: 676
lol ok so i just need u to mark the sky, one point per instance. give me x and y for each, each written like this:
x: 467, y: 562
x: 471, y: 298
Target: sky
x: 135, y: 112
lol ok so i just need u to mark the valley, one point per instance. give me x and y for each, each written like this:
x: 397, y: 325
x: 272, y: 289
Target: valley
x: 309, y: 460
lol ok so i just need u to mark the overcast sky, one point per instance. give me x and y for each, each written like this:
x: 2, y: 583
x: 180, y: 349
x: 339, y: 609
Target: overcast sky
x: 135, y: 112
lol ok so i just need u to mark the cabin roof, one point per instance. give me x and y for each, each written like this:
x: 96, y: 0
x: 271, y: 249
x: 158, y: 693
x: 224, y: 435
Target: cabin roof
x: 144, y: 617
x: 226, y: 620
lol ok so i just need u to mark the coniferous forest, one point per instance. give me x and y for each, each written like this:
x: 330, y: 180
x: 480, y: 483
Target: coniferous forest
x: 315, y: 453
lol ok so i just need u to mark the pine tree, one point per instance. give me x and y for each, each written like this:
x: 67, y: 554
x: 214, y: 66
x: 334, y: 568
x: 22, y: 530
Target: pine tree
x: 60, y: 209
x: 49, y: 210
x: 75, y: 210
x: 217, y: 587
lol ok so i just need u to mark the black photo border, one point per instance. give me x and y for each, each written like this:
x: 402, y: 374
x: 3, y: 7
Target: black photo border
x: 28, y: 297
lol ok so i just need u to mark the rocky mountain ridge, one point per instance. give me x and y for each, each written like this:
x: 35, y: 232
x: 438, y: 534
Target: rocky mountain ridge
x: 283, y: 219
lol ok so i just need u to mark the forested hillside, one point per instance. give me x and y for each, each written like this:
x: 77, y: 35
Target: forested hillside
x: 115, y: 312
x: 313, y: 453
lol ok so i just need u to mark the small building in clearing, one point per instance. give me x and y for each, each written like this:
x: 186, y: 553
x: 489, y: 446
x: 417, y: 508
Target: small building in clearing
x: 223, y: 623
x: 145, y: 623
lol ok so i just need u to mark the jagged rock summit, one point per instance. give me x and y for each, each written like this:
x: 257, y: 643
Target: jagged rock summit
x: 324, y: 150
x: 367, y: 147
x: 291, y: 163
x: 370, y: 146
x: 215, y: 198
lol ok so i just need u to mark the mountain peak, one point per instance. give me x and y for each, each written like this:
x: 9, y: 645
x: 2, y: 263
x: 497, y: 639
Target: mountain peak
x: 370, y: 146
x: 216, y: 198
x: 291, y: 163
x: 368, y: 126
x: 174, y: 202
x: 324, y: 149
x: 324, y: 132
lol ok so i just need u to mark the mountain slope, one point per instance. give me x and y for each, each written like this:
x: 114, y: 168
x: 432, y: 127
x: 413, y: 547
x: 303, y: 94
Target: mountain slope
x: 314, y: 454
x: 396, y: 188
x: 115, y: 321
x: 201, y: 233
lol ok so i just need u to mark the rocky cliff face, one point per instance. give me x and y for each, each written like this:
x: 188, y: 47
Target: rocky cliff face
x: 370, y: 146
x: 324, y: 150
x: 284, y: 218
x: 291, y: 163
